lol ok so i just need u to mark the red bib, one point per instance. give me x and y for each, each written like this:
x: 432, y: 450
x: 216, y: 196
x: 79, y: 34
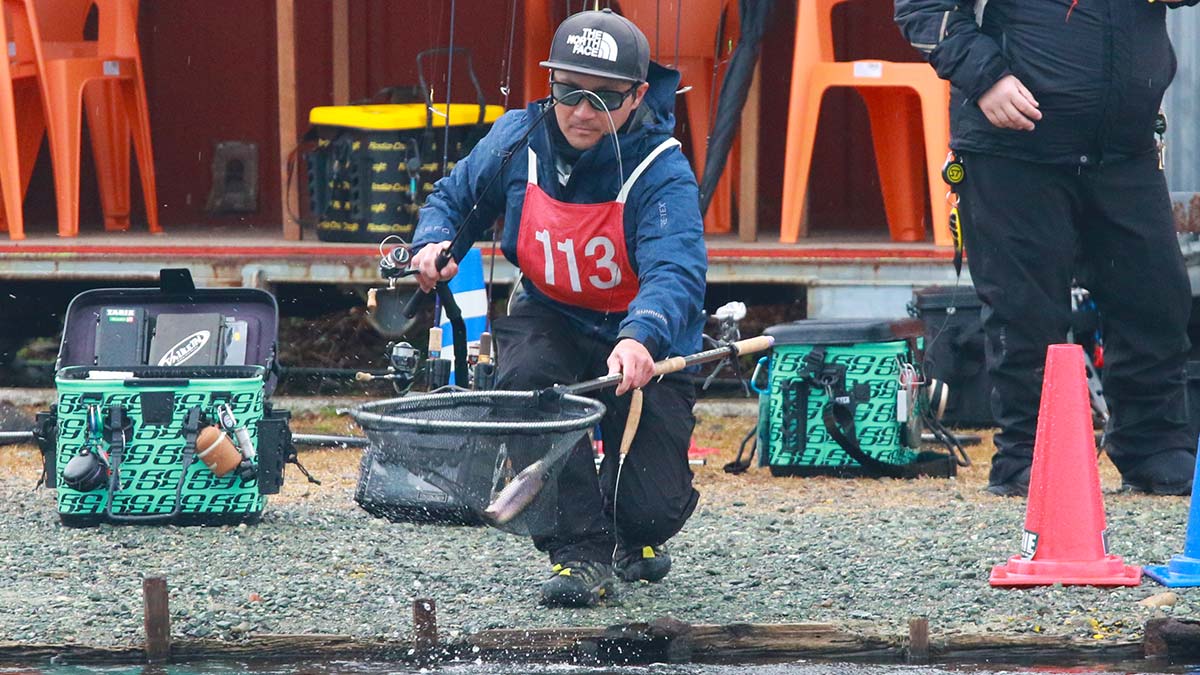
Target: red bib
x: 575, y: 253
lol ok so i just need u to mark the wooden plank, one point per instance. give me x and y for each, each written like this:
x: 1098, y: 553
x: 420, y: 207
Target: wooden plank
x: 156, y: 619
x: 425, y: 633
x: 918, y: 640
x: 285, y: 58
x: 340, y: 58
x: 627, y: 643
x: 748, y: 180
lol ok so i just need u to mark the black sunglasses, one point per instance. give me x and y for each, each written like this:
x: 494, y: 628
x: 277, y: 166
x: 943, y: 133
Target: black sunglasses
x: 602, y: 99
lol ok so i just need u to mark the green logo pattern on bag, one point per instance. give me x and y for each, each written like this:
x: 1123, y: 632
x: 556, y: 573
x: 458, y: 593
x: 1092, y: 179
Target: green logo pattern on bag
x: 879, y: 433
x: 150, y: 468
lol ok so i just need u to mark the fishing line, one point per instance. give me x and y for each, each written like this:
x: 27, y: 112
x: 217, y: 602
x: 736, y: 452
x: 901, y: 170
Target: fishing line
x: 611, y: 125
x: 449, y: 88
x: 678, y: 23
x: 444, y: 257
x: 621, y: 173
x: 504, y: 89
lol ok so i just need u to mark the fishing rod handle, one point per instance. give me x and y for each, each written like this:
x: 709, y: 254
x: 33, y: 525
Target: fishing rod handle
x: 420, y: 296
x: 747, y: 346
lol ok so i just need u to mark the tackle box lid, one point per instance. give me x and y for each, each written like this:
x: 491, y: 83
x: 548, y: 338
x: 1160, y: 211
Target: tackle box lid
x: 174, y: 325
x: 942, y: 297
x: 844, y: 331
x: 400, y: 116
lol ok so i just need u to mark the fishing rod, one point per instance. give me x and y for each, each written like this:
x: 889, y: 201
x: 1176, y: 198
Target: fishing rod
x: 521, y: 491
x: 445, y: 256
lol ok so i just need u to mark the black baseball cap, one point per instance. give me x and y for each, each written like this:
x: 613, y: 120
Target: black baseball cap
x: 600, y: 43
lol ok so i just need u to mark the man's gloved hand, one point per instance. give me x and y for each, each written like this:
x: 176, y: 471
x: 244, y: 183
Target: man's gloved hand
x: 425, y: 262
x: 631, y: 359
x: 1009, y: 105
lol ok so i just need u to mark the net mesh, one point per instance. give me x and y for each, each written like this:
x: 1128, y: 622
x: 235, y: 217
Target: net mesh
x: 471, y: 444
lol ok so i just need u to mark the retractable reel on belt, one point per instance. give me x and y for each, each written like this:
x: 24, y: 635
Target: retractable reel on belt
x: 954, y: 173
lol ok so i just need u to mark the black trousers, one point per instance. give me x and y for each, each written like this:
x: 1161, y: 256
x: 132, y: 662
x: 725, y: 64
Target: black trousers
x: 538, y: 347
x: 1029, y: 229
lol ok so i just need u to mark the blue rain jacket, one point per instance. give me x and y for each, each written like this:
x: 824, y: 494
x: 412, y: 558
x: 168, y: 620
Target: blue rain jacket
x: 664, y: 231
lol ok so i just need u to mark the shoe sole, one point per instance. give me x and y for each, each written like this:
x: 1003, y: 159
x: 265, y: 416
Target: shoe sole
x: 1158, y: 490
x: 630, y: 575
x: 1007, y: 491
x: 574, y: 599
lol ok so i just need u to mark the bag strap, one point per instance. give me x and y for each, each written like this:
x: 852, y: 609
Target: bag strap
x: 838, y: 417
x: 118, y: 427
x: 738, y: 465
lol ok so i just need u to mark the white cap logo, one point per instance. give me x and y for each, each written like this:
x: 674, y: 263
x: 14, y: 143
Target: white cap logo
x: 594, y: 43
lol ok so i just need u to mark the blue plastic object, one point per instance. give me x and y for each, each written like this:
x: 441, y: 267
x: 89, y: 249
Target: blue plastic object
x: 763, y: 366
x: 471, y: 295
x: 1183, y: 570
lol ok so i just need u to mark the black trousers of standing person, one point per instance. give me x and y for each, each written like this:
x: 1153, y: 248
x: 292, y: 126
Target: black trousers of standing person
x: 1029, y: 229
x: 539, y: 347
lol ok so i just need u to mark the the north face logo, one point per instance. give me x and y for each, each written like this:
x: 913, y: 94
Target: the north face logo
x: 594, y: 43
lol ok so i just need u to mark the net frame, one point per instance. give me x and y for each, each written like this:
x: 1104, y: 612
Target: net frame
x: 470, y: 444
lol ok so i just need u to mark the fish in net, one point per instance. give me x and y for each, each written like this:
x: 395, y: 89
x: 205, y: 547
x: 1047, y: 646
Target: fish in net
x: 473, y: 444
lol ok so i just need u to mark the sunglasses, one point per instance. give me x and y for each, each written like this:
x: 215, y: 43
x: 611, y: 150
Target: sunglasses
x: 600, y: 99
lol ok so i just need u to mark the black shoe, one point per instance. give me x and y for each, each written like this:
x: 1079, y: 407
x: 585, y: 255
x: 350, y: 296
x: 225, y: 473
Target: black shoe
x: 645, y: 563
x: 577, y: 584
x: 1165, y: 473
x: 1016, y: 485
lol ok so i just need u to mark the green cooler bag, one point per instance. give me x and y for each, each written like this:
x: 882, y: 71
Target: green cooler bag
x: 845, y: 397
x: 140, y: 373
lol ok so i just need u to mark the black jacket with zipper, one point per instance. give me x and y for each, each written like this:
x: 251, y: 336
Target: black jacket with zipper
x: 1098, y: 69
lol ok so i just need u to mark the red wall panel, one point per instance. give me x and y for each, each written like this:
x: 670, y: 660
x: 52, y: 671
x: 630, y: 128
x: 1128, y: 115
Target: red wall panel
x: 211, y: 76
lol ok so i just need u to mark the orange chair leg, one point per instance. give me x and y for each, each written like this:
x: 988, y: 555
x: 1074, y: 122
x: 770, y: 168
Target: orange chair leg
x: 109, y: 129
x: 65, y: 121
x: 10, y: 160
x: 31, y: 127
x: 799, y: 166
x: 697, y: 73
x: 895, y: 125
x: 798, y: 149
x: 935, y: 113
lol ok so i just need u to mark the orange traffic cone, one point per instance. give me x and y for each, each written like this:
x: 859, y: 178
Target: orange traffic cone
x: 1064, y: 539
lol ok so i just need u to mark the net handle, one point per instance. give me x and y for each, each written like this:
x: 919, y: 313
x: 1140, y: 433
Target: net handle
x: 678, y: 363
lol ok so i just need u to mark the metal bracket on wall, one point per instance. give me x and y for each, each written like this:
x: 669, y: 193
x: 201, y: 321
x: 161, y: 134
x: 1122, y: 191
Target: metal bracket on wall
x: 234, y: 178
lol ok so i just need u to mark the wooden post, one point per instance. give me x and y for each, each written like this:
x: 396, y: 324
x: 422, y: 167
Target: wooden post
x: 156, y: 619
x: 285, y: 57
x: 918, y: 639
x: 425, y: 635
x: 748, y: 181
x: 340, y: 58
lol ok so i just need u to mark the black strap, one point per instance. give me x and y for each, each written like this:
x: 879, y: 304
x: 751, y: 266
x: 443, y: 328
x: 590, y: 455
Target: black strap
x: 737, y: 465
x: 292, y: 456
x: 838, y: 417
x: 118, y: 427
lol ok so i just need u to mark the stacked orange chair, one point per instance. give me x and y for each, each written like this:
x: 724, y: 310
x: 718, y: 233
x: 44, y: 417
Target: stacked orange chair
x: 21, y: 124
x: 696, y: 23
x: 105, y: 77
x: 905, y: 103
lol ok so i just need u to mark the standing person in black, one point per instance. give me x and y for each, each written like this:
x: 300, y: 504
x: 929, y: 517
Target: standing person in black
x: 1053, y: 111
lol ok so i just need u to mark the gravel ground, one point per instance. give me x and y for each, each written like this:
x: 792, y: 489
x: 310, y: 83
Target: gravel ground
x: 863, y: 554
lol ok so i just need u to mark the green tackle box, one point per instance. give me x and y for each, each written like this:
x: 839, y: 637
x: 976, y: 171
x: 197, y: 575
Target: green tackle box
x: 140, y: 371
x: 830, y: 383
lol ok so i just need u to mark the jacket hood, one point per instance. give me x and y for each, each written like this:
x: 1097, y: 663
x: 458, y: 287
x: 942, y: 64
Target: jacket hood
x: 653, y: 122
x: 660, y: 99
